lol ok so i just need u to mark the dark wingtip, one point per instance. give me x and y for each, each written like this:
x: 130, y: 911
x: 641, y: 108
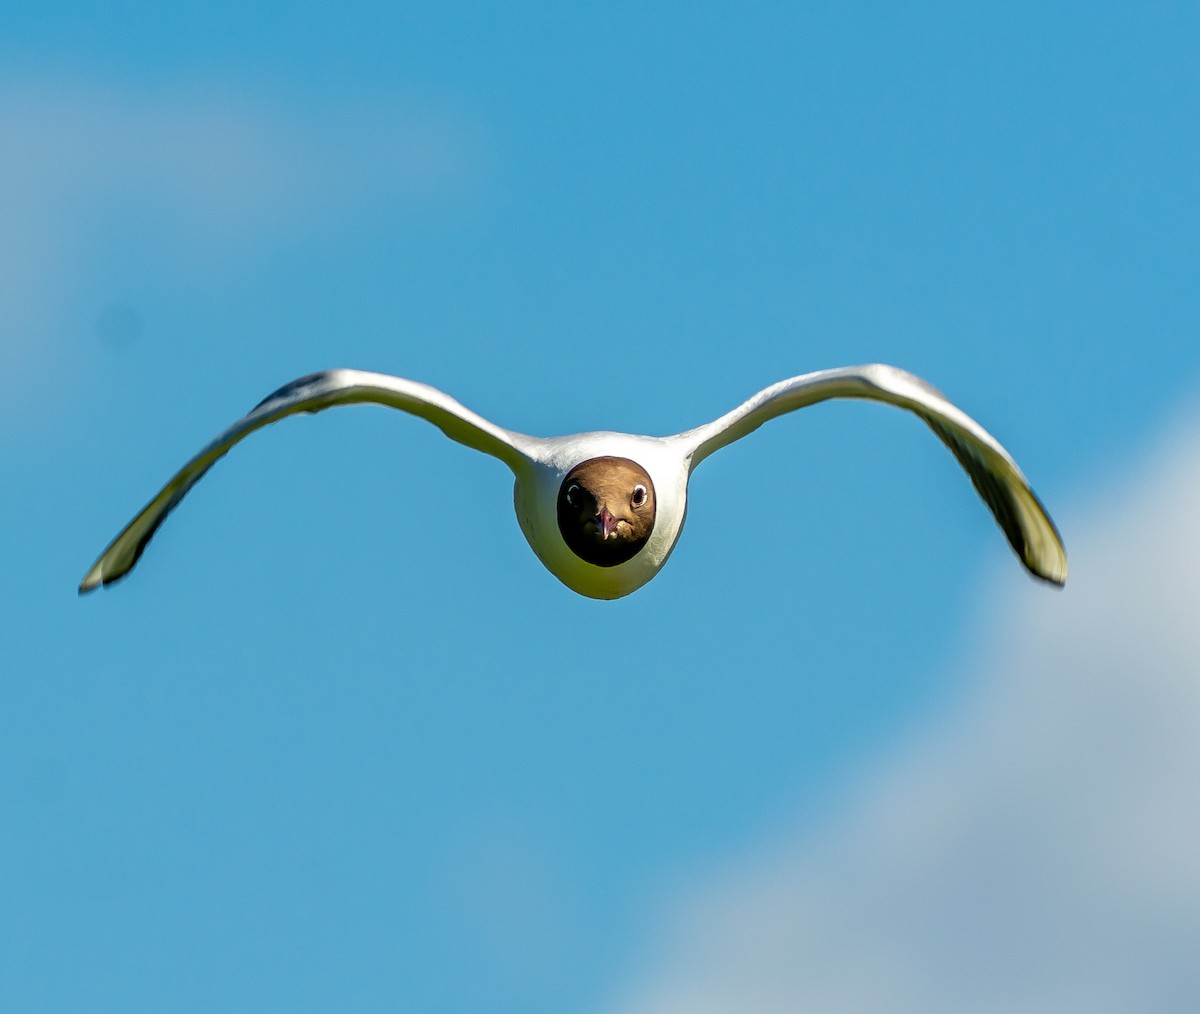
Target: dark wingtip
x: 1052, y: 571
x: 1057, y: 580
x: 294, y: 387
x: 93, y: 579
x: 1054, y: 580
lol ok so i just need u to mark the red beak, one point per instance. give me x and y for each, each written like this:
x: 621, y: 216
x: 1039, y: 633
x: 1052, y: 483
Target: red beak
x: 608, y: 524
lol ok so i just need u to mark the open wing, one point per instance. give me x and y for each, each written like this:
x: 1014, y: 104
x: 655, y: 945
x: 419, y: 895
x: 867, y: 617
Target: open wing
x: 996, y: 476
x: 313, y: 393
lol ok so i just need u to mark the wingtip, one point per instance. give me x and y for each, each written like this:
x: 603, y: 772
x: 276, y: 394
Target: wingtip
x: 93, y: 579
x: 1060, y: 578
x: 1054, y: 573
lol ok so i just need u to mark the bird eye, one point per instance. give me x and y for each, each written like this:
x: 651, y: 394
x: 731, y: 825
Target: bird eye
x: 639, y: 495
x: 573, y: 495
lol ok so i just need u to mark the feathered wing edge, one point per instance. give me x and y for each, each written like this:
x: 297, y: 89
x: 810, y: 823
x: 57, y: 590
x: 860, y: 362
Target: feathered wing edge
x: 1000, y: 483
x: 312, y: 393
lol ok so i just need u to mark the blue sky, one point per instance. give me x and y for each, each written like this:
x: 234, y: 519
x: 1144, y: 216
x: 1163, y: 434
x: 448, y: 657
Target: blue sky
x: 341, y: 742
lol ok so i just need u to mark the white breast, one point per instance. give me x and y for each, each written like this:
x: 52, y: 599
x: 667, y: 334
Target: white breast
x: 535, y: 497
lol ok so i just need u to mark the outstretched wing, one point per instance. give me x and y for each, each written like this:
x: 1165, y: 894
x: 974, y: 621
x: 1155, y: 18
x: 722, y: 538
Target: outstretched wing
x: 313, y: 393
x: 996, y: 476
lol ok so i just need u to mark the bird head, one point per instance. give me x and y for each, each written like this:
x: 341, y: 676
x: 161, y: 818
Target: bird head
x: 606, y: 510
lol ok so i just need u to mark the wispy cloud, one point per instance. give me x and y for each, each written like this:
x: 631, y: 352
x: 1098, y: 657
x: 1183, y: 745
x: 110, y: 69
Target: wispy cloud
x: 1040, y: 851
x: 211, y: 165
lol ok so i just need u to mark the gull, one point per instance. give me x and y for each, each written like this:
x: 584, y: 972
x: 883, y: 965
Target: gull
x: 603, y: 510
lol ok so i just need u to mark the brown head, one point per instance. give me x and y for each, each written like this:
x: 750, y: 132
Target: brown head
x: 606, y: 510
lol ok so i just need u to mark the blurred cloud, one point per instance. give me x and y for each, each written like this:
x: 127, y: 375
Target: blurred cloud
x: 1037, y: 850
x: 505, y: 883
x: 90, y: 171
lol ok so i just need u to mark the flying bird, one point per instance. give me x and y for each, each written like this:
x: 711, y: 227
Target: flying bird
x: 603, y: 510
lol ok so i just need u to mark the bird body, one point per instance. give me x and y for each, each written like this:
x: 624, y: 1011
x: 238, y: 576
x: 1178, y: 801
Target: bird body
x: 535, y: 495
x: 604, y: 510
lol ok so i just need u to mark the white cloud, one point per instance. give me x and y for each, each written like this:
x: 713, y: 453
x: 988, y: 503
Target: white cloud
x: 213, y: 167
x: 1039, y: 851
x: 219, y: 151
